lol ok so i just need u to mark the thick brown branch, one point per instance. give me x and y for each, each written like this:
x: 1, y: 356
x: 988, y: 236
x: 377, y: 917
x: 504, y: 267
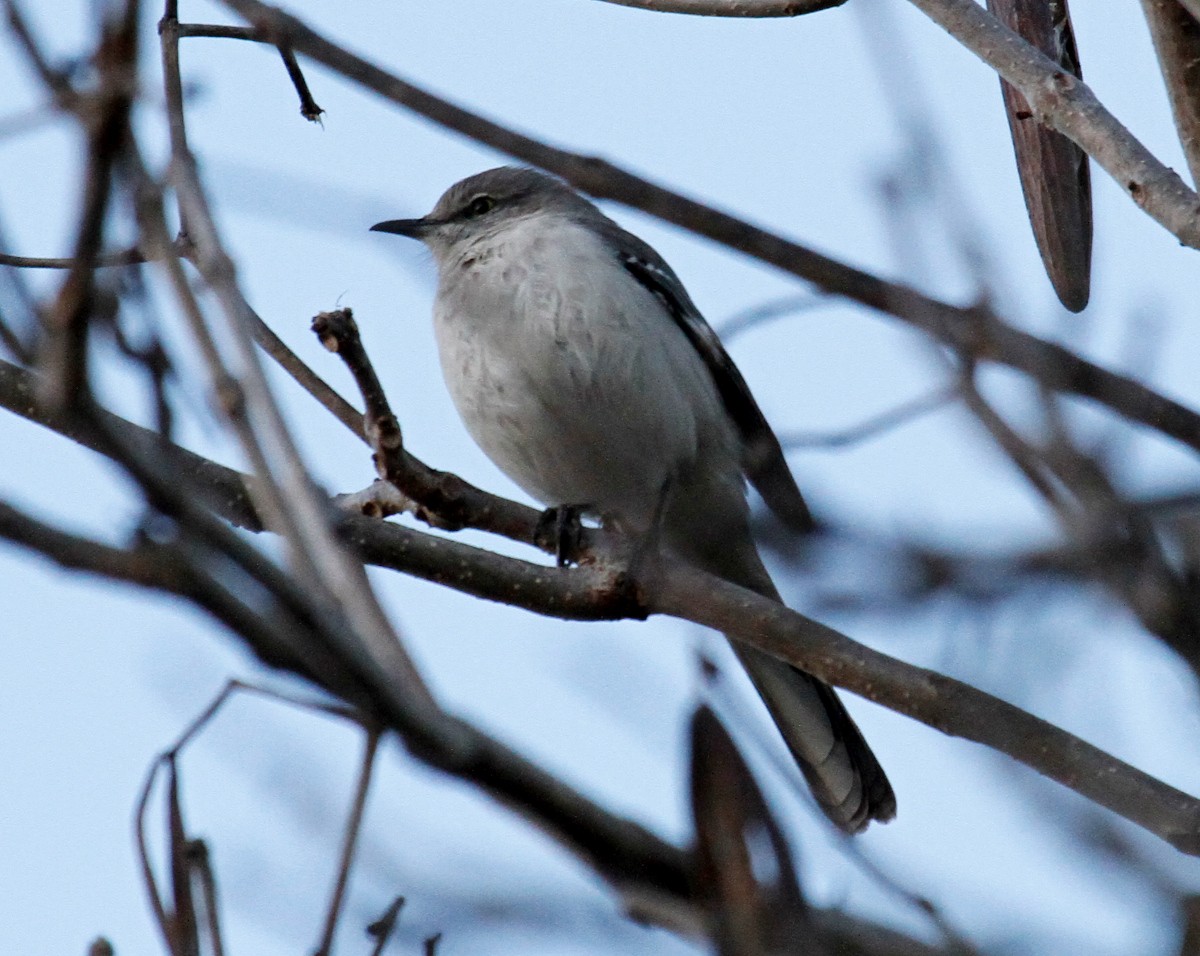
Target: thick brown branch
x: 974, y: 331
x: 941, y: 702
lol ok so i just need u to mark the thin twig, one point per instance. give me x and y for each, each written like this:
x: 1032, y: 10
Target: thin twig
x: 221, y: 31
x: 350, y: 840
x: 54, y: 80
x: 874, y: 426
x: 304, y: 376
x: 1027, y: 459
x: 104, y: 260
x: 757, y: 315
x: 308, y: 106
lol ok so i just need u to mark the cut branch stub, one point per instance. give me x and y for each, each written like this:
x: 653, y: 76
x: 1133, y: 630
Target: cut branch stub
x: 1054, y: 171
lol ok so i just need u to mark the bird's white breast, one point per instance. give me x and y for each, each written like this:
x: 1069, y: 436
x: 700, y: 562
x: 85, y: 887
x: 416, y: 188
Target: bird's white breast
x: 570, y: 375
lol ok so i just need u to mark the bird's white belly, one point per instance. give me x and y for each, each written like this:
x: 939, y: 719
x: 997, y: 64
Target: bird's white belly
x: 562, y: 384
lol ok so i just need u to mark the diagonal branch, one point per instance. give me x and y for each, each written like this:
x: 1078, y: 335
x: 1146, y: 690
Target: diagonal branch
x: 941, y: 702
x: 1067, y: 104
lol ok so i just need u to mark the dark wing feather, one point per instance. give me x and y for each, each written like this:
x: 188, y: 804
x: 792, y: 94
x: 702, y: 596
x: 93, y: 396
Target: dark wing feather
x: 762, y: 456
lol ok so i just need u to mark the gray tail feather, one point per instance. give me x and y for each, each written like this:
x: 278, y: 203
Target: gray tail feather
x: 843, y: 773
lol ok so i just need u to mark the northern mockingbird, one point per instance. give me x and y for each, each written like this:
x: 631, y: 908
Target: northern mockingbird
x: 580, y: 365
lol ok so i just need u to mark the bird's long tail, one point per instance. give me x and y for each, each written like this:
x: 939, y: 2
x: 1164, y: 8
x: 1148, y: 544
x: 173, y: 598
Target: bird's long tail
x: 843, y: 773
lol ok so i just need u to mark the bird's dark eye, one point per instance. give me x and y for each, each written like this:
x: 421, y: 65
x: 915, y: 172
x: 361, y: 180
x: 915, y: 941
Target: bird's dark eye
x: 478, y: 206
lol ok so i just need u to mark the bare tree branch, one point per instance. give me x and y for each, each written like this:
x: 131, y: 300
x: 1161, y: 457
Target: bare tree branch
x: 350, y: 841
x: 874, y: 426
x: 941, y: 702
x: 1068, y: 105
x: 308, y: 106
x: 635, y: 861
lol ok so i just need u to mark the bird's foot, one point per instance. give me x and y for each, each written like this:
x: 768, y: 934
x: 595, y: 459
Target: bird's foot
x: 560, y: 530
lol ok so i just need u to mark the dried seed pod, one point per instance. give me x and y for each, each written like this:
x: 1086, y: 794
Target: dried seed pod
x: 1054, y: 171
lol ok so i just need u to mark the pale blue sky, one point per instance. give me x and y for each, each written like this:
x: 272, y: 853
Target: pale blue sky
x: 784, y: 122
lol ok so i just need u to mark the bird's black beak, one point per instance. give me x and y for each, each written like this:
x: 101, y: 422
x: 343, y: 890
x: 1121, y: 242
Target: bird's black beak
x: 413, y: 228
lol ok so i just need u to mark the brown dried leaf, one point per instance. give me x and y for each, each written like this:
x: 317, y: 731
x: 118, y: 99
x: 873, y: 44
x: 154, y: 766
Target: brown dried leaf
x: 744, y: 870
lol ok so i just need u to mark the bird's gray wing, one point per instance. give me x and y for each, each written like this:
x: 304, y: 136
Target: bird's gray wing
x: 763, y: 460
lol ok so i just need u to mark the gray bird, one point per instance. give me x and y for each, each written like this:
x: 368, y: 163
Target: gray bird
x: 581, y: 367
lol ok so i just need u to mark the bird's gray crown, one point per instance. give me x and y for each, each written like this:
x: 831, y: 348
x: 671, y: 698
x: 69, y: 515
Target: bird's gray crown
x: 490, y: 201
x: 512, y: 191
